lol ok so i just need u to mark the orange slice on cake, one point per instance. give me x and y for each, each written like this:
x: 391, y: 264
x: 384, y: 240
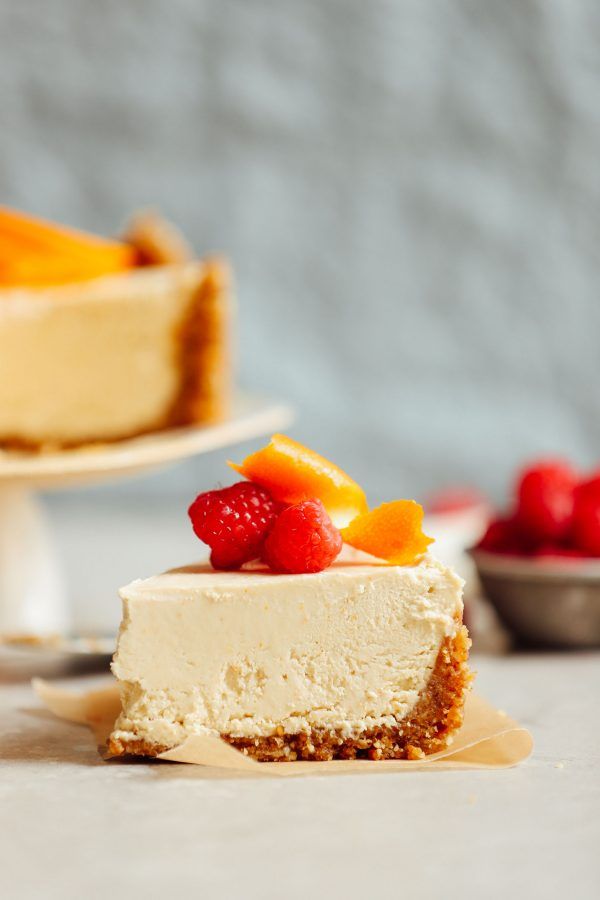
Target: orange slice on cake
x: 392, y: 531
x: 293, y: 473
x: 38, y: 253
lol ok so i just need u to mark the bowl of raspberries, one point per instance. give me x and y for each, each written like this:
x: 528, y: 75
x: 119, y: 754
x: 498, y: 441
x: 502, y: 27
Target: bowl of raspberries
x: 539, y: 563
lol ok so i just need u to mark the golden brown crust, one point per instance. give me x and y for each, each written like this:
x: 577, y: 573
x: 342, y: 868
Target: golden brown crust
x: 156, y: 241
x: 205, y: 351
x: 117, y: 747
x: 204, y: 338
x: 428, y: 728
x: 205, y: 361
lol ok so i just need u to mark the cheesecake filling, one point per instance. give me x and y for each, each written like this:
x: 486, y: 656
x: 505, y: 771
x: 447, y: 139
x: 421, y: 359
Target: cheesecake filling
x: 98, y: 360
x: 251, y: 654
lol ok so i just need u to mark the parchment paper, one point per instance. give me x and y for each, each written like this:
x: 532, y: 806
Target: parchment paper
x: 488, y: 739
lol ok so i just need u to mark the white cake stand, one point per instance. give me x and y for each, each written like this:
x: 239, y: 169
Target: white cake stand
x: 32, y: 597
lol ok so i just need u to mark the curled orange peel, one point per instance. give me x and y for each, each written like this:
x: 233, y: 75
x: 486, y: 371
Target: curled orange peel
x: 292, y: 473
x: 392, y: 532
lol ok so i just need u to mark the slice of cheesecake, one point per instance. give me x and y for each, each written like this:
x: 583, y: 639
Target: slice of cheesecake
x: 359, y: 660
x: 103, y: 358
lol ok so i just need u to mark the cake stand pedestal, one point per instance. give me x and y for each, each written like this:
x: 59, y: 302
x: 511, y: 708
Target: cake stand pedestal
x: 32, y: 596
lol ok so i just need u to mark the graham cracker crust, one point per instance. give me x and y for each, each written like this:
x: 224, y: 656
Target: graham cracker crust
x: 428, y: 729
x: 155, y: 240
x: 204, y: 336
x: 204, y: 351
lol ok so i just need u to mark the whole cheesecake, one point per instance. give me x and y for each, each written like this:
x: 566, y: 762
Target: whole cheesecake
x: 97, y: 350
x: 359, y: 660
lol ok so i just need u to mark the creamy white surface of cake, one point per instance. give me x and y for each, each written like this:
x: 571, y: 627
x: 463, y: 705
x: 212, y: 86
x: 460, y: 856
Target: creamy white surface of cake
x: 251, y: 653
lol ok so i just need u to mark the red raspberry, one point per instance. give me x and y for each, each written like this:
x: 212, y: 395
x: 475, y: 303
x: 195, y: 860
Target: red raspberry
x: 502, y: 536
x: 545, y: 500
x: 303, y: 539
x: 233, y: 522
x: 585, y: 532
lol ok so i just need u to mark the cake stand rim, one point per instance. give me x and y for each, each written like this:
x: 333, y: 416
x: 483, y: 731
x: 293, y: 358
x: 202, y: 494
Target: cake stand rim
x: 253, y: 415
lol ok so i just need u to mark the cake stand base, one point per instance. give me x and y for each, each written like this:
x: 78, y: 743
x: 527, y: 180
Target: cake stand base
x: 32, y: 596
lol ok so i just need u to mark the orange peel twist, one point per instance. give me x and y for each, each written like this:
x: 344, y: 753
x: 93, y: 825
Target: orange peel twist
x: 293, y: 473
x: 392, y: 531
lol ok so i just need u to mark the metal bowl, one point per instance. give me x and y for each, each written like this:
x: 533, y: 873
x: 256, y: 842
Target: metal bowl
x: 53, y: 656
x: 544, y: 602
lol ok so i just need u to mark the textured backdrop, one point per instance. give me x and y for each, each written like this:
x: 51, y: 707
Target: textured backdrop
x: 409, y: 192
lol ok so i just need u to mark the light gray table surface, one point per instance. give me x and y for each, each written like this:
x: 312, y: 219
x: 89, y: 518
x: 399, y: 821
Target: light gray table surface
x: 74, y: 826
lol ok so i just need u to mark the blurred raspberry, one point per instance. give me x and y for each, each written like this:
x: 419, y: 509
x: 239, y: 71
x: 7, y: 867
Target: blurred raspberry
x: 303, y: 539
x: 454, y: 499
x: 234, y: 522
x: 545, y: 501
x: 585, y: 532
x: 503, y: 536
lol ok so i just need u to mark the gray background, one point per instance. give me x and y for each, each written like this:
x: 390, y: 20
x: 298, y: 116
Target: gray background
x: 408, y: 191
